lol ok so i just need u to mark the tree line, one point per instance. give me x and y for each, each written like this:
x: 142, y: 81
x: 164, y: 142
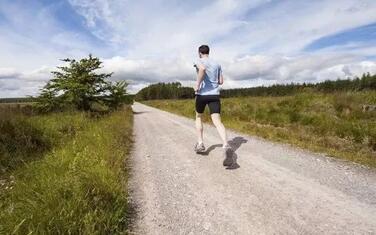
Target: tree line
x: 176, y: 91
x: 365, y: 82
x: 77, y: 84
x: 16, y: 100
x: 160, y: 90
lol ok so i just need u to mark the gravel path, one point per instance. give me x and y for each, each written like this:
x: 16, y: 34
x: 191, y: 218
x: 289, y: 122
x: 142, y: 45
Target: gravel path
x: 272, y: 189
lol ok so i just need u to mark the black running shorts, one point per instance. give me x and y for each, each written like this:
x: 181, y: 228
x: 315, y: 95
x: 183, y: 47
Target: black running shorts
x: 212, y: 101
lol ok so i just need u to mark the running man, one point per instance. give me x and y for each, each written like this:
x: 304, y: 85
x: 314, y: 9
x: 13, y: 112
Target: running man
x: 209, y: 77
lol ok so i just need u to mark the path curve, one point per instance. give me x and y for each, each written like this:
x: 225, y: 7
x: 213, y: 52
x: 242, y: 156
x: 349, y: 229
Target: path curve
x: 274, y: 189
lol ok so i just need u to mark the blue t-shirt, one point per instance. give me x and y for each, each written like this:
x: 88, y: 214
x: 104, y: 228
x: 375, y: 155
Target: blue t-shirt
x: 210, y: 83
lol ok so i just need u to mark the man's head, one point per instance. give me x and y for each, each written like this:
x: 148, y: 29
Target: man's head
x: 203, y: 50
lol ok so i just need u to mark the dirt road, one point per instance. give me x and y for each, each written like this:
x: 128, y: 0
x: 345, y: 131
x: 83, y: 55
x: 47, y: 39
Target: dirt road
x: 273, y: 188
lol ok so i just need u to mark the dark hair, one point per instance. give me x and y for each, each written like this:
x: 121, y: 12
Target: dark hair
x: 204, y: 49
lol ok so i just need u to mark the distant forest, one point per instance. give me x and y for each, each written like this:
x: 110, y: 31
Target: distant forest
x: 29, y: 99
x: 177, y: 91
x: 158, y: 91
x: 366, y: 82
x: 16, y: 100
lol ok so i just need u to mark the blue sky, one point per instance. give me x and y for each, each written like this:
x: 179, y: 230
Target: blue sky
x: 363, y: 35
x: 258, y: 42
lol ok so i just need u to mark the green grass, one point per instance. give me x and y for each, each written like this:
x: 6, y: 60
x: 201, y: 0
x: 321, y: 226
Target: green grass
x: 331, y: 123
x: 25, y: 138
x: 75, y: 181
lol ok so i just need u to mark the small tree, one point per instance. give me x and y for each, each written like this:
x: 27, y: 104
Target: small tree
x: 117, y: 95
x: 79, y: 85
x: 48, y: 100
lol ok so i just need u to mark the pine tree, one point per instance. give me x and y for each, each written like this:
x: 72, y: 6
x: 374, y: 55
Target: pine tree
x: 79, y: 85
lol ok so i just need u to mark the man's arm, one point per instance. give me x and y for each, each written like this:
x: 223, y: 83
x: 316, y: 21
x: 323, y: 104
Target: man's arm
x: 220, y: 82
x: 200, y: 76
x: 220, y: 76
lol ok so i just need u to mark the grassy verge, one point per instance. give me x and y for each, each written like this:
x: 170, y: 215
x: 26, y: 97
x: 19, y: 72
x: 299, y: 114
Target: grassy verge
x: 76, y: 184
x: 331, y: 123
x: 26, y: 138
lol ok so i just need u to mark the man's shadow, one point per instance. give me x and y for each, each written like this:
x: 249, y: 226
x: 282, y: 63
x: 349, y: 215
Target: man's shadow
x: 140, y: 112
x: 231, y: 155
x: 235, y: 143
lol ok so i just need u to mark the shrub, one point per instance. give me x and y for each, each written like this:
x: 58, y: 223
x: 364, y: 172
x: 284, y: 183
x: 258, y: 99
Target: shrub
x: 78, y: 86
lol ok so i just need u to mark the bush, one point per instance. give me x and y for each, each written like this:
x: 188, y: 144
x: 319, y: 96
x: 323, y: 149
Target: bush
x: 78, y: 86
x: 20, y: 141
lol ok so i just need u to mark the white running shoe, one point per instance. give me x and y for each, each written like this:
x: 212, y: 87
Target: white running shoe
x: 199, y: 148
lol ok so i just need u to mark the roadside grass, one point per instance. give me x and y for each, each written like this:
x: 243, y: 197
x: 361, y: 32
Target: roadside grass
x: 330, y: 123
x: 74, y: 183
x: 25, y: 138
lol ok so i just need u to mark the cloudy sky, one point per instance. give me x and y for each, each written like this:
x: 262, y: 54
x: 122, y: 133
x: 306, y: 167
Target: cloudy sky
x: 258, y: 42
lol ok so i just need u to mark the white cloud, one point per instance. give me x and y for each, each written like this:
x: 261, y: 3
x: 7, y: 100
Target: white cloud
x: 258, y: 42
x: 7, y: 73
x: 149, y: 70
x: 248, y: 70
x: 162, y: 28
x: 16, y: 84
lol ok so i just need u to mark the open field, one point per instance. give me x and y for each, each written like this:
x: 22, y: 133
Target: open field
x: 64, y: 172
x: 331, y: 123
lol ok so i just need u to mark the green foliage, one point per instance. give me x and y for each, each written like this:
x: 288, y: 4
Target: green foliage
x: 25, y: 138
x: 16, y: 100
x: 79, y: 86
x: 20, y: 141
x: 165, y: 91
x: 366, y: 82
x: 10, y: 109
x: 176, y: 91
x: 49, y: 100
x: 76, y: 187
x: 118, y: 95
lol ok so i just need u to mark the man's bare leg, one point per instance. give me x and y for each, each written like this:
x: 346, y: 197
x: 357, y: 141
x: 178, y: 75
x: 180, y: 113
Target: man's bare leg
x: 216, y: 118
x: 228, y: 153
x: 199, y: 128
